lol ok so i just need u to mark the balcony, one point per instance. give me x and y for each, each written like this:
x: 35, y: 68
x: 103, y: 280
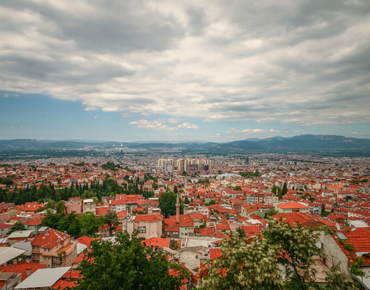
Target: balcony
x: 36, y: 251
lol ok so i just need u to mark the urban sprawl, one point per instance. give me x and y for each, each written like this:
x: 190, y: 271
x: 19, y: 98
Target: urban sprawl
x: 54, y: 211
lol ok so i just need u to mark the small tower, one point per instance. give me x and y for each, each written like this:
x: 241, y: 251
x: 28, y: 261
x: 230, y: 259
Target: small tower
x: 178, y: 208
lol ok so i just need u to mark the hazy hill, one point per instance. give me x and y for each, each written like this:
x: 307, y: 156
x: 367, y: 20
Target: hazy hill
x: 302, y: 142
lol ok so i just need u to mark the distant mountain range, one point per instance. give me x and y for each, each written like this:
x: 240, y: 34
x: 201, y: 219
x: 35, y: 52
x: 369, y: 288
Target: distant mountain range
x: 296, y: 143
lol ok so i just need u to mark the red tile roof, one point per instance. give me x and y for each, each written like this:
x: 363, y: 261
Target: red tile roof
x: 148, y: 218
x: 49, y: 238
x: 157, y: 242
x: 22, y: 267
x: 61, y: 284
x: 215, y: 253
x: 292, y: 205
x: 85, y: 240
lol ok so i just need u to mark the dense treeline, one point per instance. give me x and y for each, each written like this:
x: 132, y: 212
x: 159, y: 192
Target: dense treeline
x: 85, y: 224
x: 44, y: 192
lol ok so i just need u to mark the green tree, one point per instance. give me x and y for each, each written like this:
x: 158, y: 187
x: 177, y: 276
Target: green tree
x: 285, y: 189
x: 60, y: 207
x: 219, y: 172
x: 111, y: 219
x: 89, y: 224
x: 155, y: 186
x: 127, y: 264
x: 186, y: 201
x: 255, y: 265
x: 184, y: 173
x: 243, y: 266
x: 298, y: 244
x: 167, y: 203
x: 18, y: 226
x: 348, y: 197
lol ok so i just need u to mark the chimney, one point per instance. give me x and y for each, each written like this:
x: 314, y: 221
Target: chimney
x: 28, y: 272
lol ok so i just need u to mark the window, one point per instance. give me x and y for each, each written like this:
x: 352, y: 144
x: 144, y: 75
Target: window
x: 142, y: 230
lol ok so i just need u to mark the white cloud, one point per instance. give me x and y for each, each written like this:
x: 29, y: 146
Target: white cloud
x: 233, y: 130
x: 188, y: 126
x: 153, y: 125
x: 95, y: 117
x: 262, y: 61
x: 296, y: 131
x: 254, y: 131
x: 216, y: 135
x: 126, y: 115
x: 354, y: 133
x: 173, y: 120
x: 274, y: 131
x: 179, y: 134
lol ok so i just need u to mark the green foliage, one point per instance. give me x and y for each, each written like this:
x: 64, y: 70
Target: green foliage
x: 186, y: 201
x: 7, y: 181
x: 243, y: 266
x: 167, y: 203
x: 18, y: 226
x: 211, y: 202
x: 126, y: 264
x: 155, y: 186
x: 205, y: 180
x: 203, y: 225
x: 348, y: 197
x: 255, y: 265
x: 270, y: 213
x: 111, y: 219
x: 324, y: 228
x: 250, y: 174
x: 111, y: 166
x: 80, y: 164
x: 108, y: 188
x: 325, y: 213
x: 76, y: 226
x: 336, y: 280
x: 285, y: 189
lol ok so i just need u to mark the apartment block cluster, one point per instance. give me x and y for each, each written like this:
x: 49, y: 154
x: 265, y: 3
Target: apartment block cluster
x: 233, y: 192
x: 180, y: 165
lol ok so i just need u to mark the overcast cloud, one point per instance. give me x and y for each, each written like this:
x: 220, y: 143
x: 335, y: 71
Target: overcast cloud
x: 299, y: 62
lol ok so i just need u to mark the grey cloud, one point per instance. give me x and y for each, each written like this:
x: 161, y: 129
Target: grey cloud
x: 294, y: 61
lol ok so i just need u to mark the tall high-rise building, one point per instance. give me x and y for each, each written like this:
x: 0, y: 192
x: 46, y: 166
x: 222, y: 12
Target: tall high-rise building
x: 165, y: 164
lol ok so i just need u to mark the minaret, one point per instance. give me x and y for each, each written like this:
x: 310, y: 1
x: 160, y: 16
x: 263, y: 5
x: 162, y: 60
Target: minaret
x: 177, y: 208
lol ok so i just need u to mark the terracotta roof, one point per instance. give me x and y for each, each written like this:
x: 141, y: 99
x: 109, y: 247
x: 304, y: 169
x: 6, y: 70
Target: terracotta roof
x: 85, y: 240
x: 208, y: 232
x: 157, y: 242
x: 148, y: 218
x: 292, y: 205
x: 101, y: 211
x: 122, y: 214
x: 49, y: 238
x: 215, y: 253
x: 294, y: 217
x: 61, y: 284
x: 34, y: 221
x: 22, y: 267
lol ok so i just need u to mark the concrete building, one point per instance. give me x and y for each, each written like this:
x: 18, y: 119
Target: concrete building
x: 54, y: 249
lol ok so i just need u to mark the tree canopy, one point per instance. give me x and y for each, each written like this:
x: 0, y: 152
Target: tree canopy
x: 18, y: 226
x: 111, y: 220
x: 167, y: 203
x: 127, y: 264
x: 279, y: 258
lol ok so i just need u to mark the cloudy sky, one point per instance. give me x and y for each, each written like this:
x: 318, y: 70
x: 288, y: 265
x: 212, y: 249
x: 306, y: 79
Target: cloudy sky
x: 184, y: 70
